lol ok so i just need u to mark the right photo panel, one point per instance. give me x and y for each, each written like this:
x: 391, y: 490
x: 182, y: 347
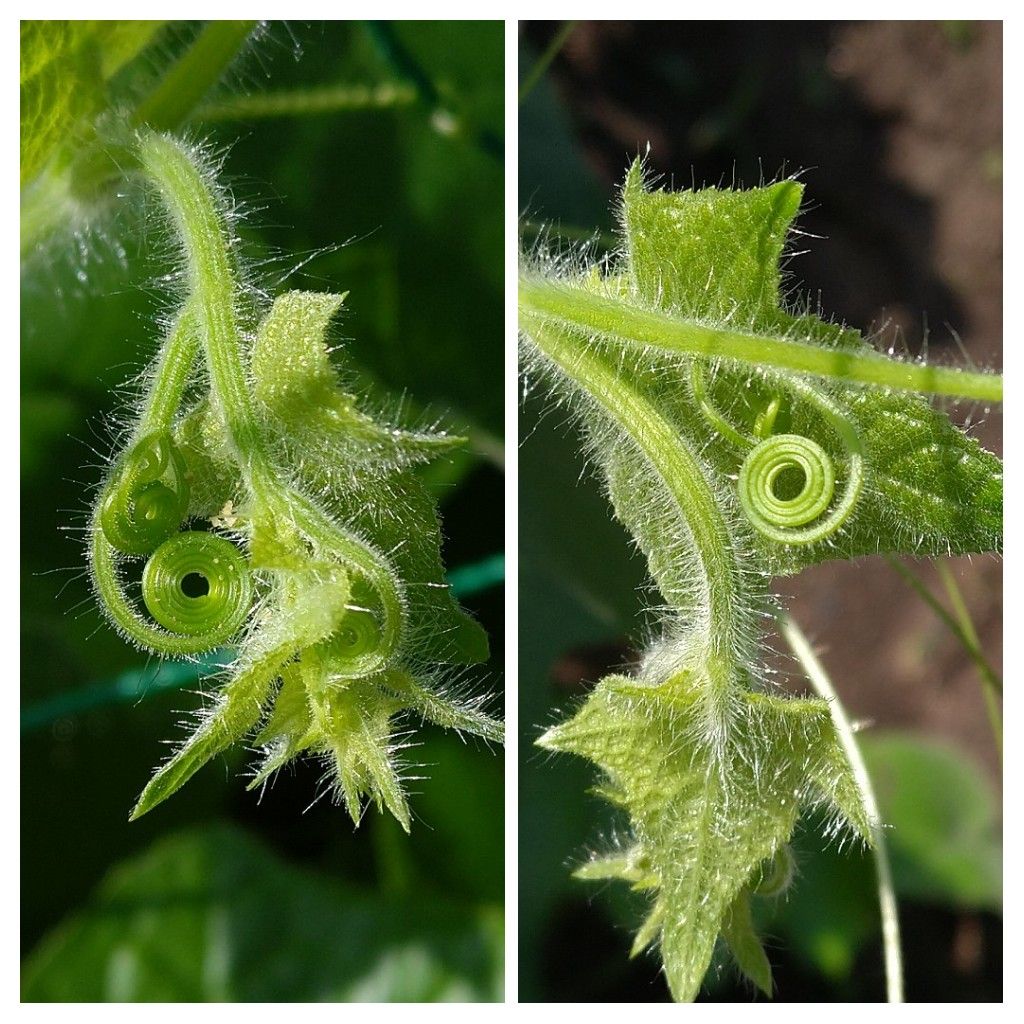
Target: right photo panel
x: 760, y: 511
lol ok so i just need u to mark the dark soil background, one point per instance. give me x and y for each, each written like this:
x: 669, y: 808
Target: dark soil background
x: 897, y: 128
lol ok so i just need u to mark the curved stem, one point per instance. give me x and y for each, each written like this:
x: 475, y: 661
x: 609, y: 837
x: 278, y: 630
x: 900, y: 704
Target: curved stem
x: 93, y: 168
x: 200, y: 224
x: 819, y: 679
x: 699, y: 386
x: 617, y: 319
x: 661, y: 444
x: 326, y: 535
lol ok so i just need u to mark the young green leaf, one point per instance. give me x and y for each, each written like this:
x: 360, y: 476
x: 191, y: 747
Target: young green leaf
x: 705, y: 818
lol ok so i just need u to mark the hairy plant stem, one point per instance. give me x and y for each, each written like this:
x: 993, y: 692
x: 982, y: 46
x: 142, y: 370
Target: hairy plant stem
x: 171, y: 374
x: 616, y: 318
x: 661, y: 444
x: 819, y: 679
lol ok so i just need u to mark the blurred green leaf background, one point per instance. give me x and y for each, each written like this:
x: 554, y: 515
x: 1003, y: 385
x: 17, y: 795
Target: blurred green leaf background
x: 718, y: 102
x: 225, y: 895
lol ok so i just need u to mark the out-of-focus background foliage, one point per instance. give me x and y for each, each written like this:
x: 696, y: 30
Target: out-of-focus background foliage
x: 223, y: 894
x: 897, y: 130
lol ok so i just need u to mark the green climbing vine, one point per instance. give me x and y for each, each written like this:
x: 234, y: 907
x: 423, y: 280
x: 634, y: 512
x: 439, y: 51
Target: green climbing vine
x: 271, y: 512
x: 739, y: 439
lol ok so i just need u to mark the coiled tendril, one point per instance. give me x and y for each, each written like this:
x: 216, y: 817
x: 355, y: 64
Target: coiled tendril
x: 356, y: 645
x: 149, y: 498
x: 787, y: 481
x: 198, y: 584
x: 773, y: 509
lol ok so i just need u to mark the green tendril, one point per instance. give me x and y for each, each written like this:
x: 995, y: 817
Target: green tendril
x: 129, y: 620
x: 779, y: 514
x: 708, y: 409
x: 148, y: 499
x: 765, y: 422
x: 787, y: 481
x: 198, y: 584
x: 763, y: 487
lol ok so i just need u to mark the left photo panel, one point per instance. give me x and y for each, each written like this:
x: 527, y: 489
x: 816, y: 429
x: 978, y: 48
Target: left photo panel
x: 262, y: 494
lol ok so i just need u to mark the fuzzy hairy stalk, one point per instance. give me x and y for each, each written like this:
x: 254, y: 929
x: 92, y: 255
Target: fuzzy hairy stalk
x: 716, y: 633
x: 630, y: 323
x: 200, y: 223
